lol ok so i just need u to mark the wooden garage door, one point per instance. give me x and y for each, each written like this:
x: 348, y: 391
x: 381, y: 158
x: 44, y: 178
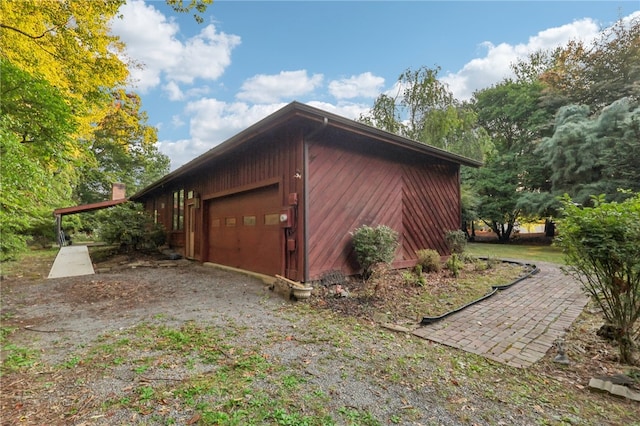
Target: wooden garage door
x: 244, y: 230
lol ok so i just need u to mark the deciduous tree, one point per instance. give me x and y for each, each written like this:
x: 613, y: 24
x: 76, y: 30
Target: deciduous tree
x: 124, y: 150
x: 513, y: 176
x: 68, y: 44
x: 38, y: 156
x: 601, y: 248
x: 426, y: 111
x: 600, y: 73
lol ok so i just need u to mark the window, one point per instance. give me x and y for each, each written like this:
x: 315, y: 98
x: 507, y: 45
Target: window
x: 272, y: 219
x: 156, y: 215
x: 178, y: 210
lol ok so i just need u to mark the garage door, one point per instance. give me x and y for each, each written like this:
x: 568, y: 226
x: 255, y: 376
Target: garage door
x: 244, y: 231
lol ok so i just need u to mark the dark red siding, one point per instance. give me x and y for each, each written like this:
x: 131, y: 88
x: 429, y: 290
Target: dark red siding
x: 430, y: 207
x: 354, y: 183
x: 343, y: 175
x: 274, y: 157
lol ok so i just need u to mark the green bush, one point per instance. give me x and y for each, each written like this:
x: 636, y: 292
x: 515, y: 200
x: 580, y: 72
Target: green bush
x: 455, y: 264
x: 42, y: 232
x: 374, y: 245
x: 12, y: 242
x: 131, y: 227
x: 456, y: 241
x: 429, y: 260
x: 602, y: 249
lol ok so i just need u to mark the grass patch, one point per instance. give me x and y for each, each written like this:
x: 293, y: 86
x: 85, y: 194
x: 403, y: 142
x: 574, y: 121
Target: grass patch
x: 30, y: 264
x: 14, y: 357
x: 442, y: 297
x: 532, y: 253
x: 17, y: 358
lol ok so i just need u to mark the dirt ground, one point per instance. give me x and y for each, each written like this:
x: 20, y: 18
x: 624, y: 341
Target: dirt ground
x: 59, y: 317
x: 126, y: 293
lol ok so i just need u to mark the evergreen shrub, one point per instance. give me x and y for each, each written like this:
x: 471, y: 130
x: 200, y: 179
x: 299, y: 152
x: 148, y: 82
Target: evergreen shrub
x: 374, y: 245
x: 456, y: 241
x: 429, y: 260
x: 131, y: 227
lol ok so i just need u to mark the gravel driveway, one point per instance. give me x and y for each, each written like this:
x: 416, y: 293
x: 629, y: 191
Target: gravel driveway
x: 381, y: 375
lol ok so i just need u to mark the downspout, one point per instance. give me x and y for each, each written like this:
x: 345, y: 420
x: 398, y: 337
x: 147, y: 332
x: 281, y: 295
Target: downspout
x: 305, y: 177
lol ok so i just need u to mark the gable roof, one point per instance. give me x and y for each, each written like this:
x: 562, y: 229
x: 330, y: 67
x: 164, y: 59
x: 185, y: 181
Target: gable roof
x: 323, y: 118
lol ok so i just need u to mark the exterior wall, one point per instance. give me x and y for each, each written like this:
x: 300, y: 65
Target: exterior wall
x: 430, y: 206
x: 342, y: 179
x: 350, y: 186
x: 276, y: 157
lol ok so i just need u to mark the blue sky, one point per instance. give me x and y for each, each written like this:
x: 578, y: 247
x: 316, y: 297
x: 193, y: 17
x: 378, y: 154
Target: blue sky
x: 203, y: 83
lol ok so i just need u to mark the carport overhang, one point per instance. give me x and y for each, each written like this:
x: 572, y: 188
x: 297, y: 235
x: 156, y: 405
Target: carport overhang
x: 64, y: 211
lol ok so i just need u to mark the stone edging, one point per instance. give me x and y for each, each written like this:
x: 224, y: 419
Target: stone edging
x: 494, y: 289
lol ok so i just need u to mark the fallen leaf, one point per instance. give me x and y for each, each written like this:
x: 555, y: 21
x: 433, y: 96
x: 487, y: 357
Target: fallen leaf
x: 193, y: 420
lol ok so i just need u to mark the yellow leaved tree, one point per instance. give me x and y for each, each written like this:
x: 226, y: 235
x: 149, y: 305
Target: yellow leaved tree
x: 68, y: 44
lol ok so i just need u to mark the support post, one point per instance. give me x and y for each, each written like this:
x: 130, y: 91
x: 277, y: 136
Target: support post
x: 59, y: 236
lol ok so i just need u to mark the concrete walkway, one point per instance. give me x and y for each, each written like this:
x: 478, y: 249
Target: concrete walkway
x: 516, y: 326
x: 71, y: 261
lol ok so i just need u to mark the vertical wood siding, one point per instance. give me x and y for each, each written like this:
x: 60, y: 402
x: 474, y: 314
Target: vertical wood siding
x: 273, y: 156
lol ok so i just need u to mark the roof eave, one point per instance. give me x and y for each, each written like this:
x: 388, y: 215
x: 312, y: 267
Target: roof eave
x: 297, y: 108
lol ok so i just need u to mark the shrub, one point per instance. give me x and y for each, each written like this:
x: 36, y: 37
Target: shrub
x: 429, y: 260
x: 455, y: 264
x: 42, y: 232
x: 456, y: 241
x: 602, y: 250
x: 378, y: 281
x: 414, y: 277
x: 374, y: 245
x: 479, y: 265
x: 130, y: 226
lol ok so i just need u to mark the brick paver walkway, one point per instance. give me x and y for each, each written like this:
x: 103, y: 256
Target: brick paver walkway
x: 516, y: 326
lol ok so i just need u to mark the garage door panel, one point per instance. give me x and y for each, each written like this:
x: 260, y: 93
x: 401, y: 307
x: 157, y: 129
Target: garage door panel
x: 239, y: 235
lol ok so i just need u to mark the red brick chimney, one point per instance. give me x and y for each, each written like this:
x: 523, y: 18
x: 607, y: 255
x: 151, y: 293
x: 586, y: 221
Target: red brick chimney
x: 118, y: 191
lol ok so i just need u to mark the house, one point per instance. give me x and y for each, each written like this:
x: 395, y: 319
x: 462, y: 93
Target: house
x: 283, y: 196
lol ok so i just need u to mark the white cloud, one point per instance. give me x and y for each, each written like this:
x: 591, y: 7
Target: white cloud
x: 173, y: 91
x: 151, y: 39
x: 177, y: 121
x: 182, y: 150
x: 287, y: 85
x: 496, y: 64
x: 204, y: 56
x: 211, y: 122
x: 345, y: 109
x: 362, y: 85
